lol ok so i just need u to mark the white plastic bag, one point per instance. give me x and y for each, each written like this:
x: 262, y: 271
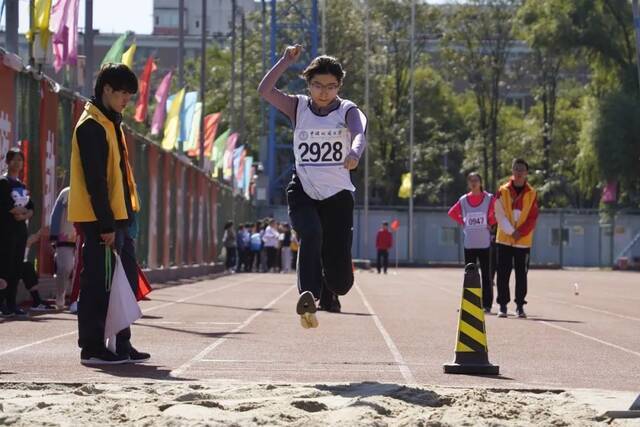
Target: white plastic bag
x: 123, y: 308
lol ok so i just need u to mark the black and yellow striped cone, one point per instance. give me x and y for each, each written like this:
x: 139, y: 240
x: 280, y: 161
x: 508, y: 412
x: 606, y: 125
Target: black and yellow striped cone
x: 472, y: 356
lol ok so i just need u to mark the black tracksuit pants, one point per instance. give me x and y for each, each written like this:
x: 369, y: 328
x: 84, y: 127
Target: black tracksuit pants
x: 383, y: 260
x: 325, y: 233
x: 14, y: 243
x: 512, y: 258
x: 482, y: 257
x: 94, y: 297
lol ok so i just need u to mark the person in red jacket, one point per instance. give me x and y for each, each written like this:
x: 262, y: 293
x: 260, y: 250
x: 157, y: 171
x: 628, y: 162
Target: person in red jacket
x: 384, y: 242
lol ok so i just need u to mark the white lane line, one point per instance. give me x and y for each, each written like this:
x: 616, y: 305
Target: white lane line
x: 331, y: 370
x: 298, y: 363
x: 198, y: 357
x: 221, y: 288
x: 402, y: 365
x: 189, y: 323
x: 157, y: 307
x: 617, y: 347
x: 584, y: 307
x: 597, y: 310
x: 22, y: 347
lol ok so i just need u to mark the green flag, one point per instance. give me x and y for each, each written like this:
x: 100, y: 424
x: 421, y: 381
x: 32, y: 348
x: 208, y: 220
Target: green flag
x: 117, y: 49
x: 217, y: 153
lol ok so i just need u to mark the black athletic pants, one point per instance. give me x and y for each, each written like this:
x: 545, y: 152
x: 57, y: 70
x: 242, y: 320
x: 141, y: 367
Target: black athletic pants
x: 272, y: 258
x: 509, y: 258
x: 254, y: 258
x: 230, y: 260
x: 325, y: 232
x: 12, y: 250
x: 482, y: 257
x: 383, y: 260
x: 94, y: 297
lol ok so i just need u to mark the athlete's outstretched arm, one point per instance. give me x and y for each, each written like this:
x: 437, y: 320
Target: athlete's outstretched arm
x: 267, y: 88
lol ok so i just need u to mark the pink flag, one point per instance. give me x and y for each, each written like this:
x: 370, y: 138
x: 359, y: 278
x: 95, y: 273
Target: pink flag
x: 64, y: 23
x: 240, y: 169
x: 610, y: 192
x: 161, y: 107
x: 231, y: 145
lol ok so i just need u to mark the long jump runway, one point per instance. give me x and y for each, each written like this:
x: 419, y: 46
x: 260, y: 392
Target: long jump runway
x: 395, y: 328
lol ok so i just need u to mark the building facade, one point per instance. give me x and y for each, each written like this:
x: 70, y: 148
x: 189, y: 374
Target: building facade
x: 166, y: 16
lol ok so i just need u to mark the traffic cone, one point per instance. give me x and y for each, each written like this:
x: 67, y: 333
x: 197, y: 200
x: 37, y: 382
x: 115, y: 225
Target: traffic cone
x: 471, y: 354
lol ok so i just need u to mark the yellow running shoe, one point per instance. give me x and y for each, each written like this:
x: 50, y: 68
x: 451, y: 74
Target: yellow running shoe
x: 306, y: 308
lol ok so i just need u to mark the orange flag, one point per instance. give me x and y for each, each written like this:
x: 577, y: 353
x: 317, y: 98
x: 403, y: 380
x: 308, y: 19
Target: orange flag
x: 143, y: 99
x: 211, y: 122
x: 144, y: 288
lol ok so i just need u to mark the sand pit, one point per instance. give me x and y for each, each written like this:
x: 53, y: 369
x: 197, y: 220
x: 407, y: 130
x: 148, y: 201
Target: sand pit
x: 234, y: 403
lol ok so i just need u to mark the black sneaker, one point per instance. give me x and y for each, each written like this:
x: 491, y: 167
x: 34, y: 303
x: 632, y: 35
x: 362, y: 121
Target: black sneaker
x: 136, y: 356
x: 306, y: 308
x: 335, y: 306
x: 20, y: 312
x: 330, y: 304
x: 520, y: 312
x: 503, y: 311
x: 6, y: 312
x: 104, y: 357
x: 43, y: 307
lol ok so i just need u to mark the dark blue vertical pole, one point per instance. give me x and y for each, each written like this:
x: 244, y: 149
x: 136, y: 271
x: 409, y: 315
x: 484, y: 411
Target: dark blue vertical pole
x: 314, y: 28
x: 271, y: 153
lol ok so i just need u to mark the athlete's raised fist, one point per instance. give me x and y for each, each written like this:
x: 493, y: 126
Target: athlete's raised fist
x: 292, y: 53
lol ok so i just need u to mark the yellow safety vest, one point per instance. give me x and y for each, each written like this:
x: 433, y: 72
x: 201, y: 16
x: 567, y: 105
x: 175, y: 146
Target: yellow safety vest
x: 80, y: 208
x: 529, y: 196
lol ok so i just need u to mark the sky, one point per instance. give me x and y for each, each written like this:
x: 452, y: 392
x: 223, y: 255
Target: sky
x: 116, y: 16
x: 109, y: 16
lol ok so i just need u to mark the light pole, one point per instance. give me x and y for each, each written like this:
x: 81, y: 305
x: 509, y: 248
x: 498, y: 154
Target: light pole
x: 232, y: 100
x: 411, y: 123
x: 324, y: 27
x: 11, y: 24
x: 636, y: 25
x: 88, y: 48
x: 203, y: 78
x: 366, y: 109
x: 181, y: 59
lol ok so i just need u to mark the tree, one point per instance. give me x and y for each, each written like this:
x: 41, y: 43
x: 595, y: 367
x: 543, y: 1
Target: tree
x: 477, y: 39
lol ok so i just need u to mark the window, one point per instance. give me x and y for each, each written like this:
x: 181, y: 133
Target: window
x: 167, y: 18
x: 449, y: 236
x: 555, y: 236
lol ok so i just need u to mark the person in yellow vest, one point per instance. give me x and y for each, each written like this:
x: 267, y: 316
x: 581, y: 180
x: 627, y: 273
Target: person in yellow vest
x: 516, y: 211
x: 103, y: 202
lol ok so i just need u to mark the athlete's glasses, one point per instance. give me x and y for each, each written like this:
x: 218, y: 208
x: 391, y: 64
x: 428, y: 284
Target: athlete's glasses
x: 320, y: 87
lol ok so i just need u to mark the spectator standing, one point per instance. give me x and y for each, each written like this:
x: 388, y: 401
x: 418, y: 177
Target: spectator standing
x: 63, y: 239
x: 230, y: 245
x: 271, y: 240
x: 384, y: 242
x: 16, y: 208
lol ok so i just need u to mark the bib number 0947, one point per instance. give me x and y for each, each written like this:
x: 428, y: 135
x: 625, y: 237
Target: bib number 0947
x: 321, y: 152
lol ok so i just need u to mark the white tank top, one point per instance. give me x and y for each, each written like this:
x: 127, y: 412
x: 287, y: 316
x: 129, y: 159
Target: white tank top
x: 320, y: 147
x: 476, y: 230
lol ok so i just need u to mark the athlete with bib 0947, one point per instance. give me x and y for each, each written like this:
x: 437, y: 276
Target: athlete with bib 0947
x: 328, y: 141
